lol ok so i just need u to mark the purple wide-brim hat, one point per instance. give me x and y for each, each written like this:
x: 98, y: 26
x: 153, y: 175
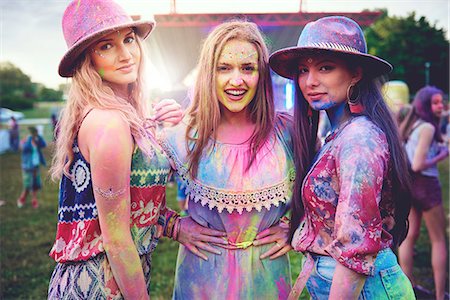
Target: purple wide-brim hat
x: 336, y: 34
x: 85, y: 21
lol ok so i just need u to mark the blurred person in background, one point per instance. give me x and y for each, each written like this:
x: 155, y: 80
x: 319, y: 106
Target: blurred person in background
x: 423, y: 142
x: 54, y: 121
x: 32, y: 158
x: 14, y: 134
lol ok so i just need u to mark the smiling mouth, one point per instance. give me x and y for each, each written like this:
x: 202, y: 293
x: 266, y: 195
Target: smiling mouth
x: 235, y: 92
x: 235, y: 95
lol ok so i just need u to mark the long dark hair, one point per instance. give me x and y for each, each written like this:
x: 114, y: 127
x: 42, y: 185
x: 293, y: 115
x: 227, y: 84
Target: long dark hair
x: 421, y: 109
x: 376, y: 110
x: 304, y: 140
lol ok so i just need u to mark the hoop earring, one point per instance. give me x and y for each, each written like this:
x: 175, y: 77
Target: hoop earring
x: 354, y: 104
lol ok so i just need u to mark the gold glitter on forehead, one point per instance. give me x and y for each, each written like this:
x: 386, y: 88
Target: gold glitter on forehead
x: 240, y: 54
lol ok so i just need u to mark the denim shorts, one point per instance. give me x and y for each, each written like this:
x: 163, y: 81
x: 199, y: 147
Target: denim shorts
x: 388, y: 282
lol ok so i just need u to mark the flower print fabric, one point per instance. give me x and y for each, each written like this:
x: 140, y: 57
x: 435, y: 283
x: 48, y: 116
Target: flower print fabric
x: 226, y: 198
x: 347, y: 198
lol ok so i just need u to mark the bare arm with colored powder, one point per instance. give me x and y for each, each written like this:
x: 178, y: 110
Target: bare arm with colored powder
x: 347, y: 284
x: 105, y: 139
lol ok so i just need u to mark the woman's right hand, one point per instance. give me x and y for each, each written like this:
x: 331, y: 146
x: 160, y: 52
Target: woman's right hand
x: 168, y: 110
x: 194, y: 237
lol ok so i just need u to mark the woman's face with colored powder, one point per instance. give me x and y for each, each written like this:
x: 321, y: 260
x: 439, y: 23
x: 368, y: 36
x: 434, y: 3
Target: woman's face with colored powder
x: 237, y: 75
x: 324, y: 80
x: 437, y: 105
x: 117, y: 56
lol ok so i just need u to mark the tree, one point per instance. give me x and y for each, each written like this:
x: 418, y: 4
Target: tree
x: 50, y: 95
x: 16, y: 89
x: 18, y: 92
x: 408, y: 44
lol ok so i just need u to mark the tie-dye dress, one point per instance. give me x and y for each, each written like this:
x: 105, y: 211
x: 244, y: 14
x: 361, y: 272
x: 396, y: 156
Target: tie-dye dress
x: 226, y: 198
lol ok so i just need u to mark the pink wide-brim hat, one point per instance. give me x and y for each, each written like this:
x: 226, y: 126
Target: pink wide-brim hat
x: 85, y: 21
x: 336, y: 34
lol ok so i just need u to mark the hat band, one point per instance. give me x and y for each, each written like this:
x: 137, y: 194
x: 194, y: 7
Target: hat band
x: 109, y: 22
x: 333, y: 46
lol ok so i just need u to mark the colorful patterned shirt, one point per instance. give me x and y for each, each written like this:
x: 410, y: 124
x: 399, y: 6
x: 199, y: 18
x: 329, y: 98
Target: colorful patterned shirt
x: 79, y: 236
x: 347, y: 198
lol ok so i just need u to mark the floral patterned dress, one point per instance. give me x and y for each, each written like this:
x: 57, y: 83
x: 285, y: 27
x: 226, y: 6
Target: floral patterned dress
x: 83, y: 270
x: 226, y: 198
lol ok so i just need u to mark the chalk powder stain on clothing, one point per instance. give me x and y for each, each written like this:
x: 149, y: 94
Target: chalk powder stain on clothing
x: 238, y: 273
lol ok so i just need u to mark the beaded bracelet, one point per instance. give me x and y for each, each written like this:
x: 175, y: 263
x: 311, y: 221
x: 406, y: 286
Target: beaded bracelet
x: 174, y: 221
x: 176, y: 229
x: 171, y: 220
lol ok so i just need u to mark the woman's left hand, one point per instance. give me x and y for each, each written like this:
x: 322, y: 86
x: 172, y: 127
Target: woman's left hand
x: 167, y: 110
x: 278, y: 234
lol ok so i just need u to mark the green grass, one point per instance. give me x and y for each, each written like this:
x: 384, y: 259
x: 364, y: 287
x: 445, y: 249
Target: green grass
x: 43, y: 110
x: 26, y: 236
x: 40, y: 113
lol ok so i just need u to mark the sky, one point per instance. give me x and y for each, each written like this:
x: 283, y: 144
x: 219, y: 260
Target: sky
x: 31, y: 36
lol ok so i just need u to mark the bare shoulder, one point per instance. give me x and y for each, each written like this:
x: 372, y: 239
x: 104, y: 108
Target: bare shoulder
x: 426, y: 131
x: 104, y: 119
x: 426, y: 128
x: 104, y: 127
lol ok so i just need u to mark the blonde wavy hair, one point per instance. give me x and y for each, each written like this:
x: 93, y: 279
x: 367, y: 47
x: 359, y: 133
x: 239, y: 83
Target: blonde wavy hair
x: 204, y: 111
x: 89, y: 90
